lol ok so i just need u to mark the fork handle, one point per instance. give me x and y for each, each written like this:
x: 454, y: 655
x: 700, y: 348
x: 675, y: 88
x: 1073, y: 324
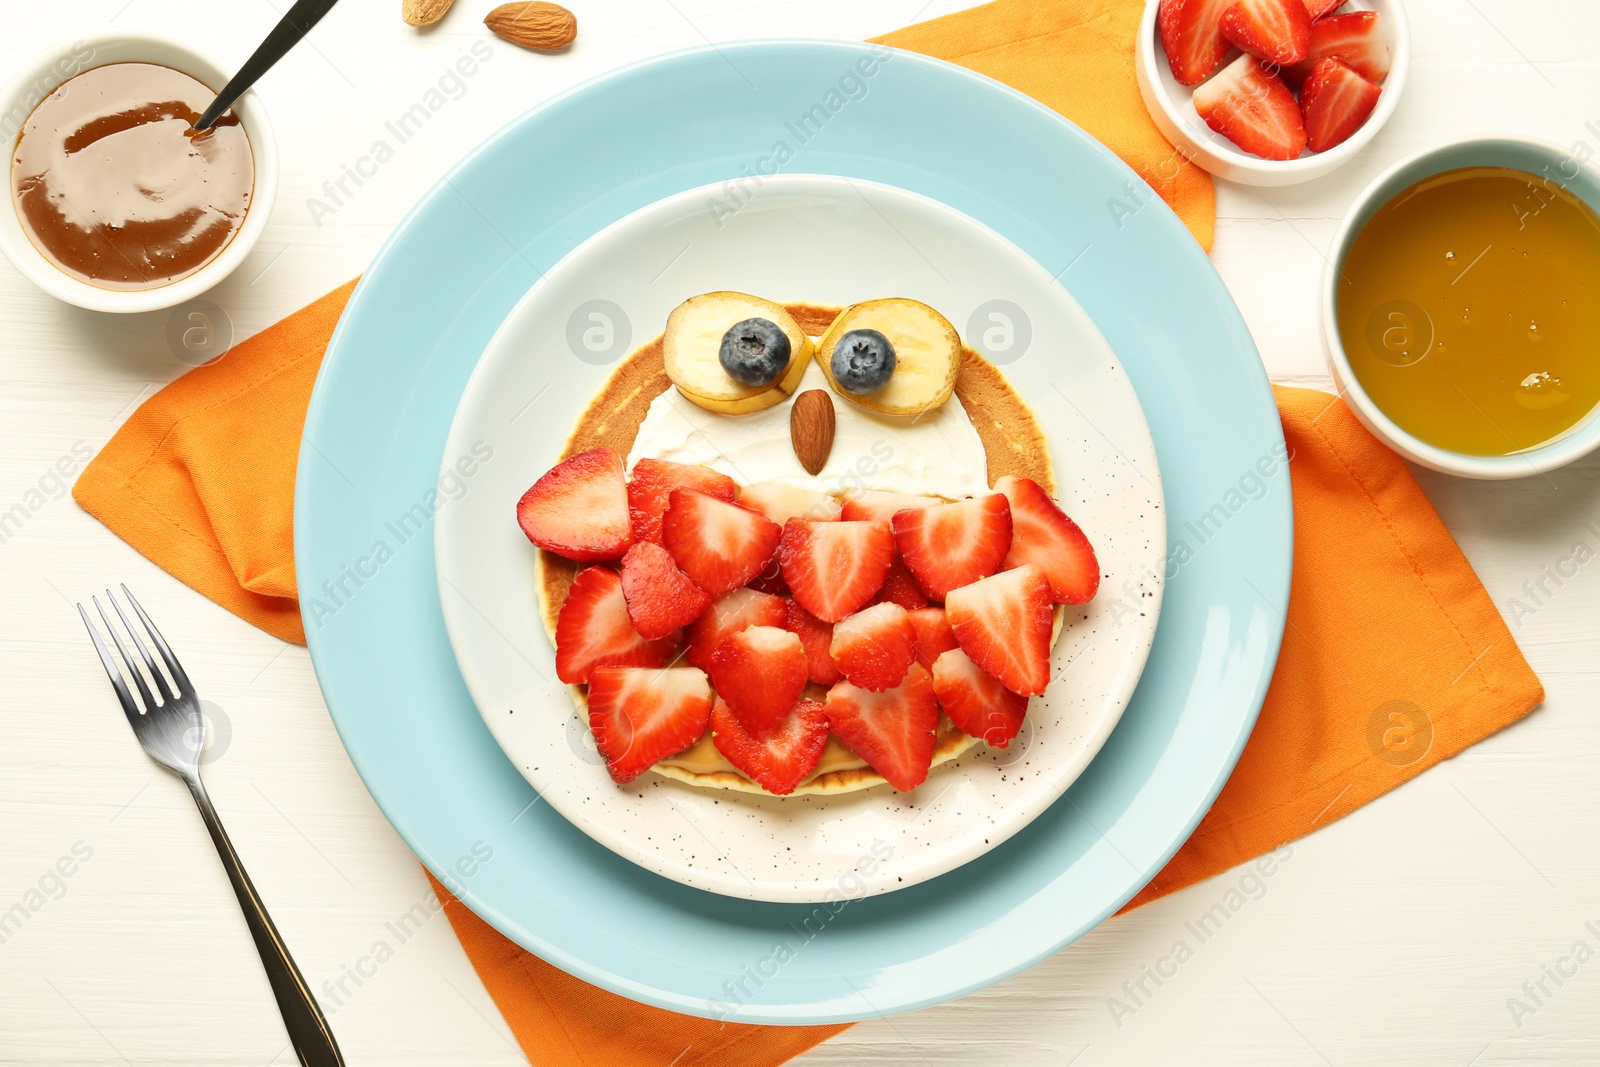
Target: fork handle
x: 308, y: 1030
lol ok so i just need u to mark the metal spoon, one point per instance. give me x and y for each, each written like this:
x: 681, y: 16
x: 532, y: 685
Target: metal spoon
x: 284, y: 36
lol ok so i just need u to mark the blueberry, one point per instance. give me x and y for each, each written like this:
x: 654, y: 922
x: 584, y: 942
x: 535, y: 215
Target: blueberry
x: 755, y: 352
x: 862, y: 361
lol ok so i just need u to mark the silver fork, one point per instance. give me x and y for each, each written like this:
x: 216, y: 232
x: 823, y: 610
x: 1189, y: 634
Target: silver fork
x: 172, y: 732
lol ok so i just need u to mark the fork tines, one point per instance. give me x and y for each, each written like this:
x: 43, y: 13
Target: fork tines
x: 178, y: 689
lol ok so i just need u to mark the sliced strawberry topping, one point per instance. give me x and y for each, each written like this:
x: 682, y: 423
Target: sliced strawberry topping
x: 1004, y: 624
x: 780, y: 503
x: 891, y: 730
x: 871, y: 504
x: 1042, y: 534
x: 770, y: 580
x: 1276, y: 31
x: 1318, y: 8
x: 1252, y: 107
x: 781, y: 758
x: 833, y: 568
x: 899, y: 587
x: 727, y: 615
x: 579, y: 509
x: 873, y: 647
x: 933, y: 635
x: 641, y: 714
x: 760, y: 672
x: 660, y: 597
x: 976, y: 702
x: 1335, y: 101
x: 594, y: 630
x: 816, y: 637
x: 650, y: 492
x: 1191, y: 35
x: 951, y: 545
x: 719, y: 545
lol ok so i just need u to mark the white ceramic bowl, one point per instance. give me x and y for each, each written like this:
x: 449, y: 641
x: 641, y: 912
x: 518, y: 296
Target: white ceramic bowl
x: 41, y: 77
x: 1521, y: 153
x: 1171, y: 105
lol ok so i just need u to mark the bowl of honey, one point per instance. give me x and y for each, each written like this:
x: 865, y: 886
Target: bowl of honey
x: 1461, y: 307
x: 117, y: 203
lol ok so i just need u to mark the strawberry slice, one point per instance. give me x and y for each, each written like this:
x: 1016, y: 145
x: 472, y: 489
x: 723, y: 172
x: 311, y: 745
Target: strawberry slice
x: 726, y: 616
x: 873, y: 504
x: 1276, y: 31
x: 1335, y: 101
x: 1318, y: 8
x: 899, y: 587
x: 770, y: 580
x: 833, y: 568
x: 816, y: 637
x: 891, y: 730
x: 660, y: 597
x: 1252, y: 107
x: 1004, y: 624
x: 780, y: 503
x: 873, y: 647
x: 594, y: 630
x: 1191, y: 35
x: 780, y: 759
x: 642, y: 714
x: 1042, y: 534
x: 719, y: 545
x: 760, y: 672
x: 950, y: 545
x: 976, y: 702
x: 650, y: 492
x: 579, y: 509
x: 1355, y: 39
x: 933, y: 636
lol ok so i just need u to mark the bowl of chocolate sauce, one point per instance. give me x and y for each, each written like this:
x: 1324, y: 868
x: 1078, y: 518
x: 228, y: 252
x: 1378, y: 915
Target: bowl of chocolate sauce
x: 116, y: 202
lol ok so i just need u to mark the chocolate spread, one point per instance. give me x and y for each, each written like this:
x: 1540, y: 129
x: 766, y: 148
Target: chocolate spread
x: 114, y: 186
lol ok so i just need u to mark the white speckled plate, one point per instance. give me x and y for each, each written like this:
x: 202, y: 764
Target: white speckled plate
x: 824, y: 240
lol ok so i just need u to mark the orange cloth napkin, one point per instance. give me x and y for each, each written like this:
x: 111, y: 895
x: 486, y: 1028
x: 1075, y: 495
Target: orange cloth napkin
x: 201, y: 478
x: 1076, y: 57
x: 1393, y: 657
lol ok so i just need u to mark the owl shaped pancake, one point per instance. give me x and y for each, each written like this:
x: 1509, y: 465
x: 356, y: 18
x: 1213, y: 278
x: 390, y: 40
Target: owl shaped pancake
x: 795, y: 549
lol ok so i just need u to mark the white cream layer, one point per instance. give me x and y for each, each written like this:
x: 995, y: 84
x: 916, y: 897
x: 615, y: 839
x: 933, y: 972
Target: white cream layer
x: 937, y: 454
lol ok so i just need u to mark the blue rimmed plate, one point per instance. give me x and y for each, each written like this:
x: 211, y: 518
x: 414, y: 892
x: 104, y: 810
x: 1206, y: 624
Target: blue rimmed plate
x: 369, y: 488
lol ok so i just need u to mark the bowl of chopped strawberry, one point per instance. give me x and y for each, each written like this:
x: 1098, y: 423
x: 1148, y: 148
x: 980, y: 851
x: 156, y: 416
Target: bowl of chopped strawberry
x: 1271, y: 92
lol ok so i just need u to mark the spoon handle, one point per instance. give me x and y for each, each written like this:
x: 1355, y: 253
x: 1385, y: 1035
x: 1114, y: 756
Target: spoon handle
x: 284, y: 36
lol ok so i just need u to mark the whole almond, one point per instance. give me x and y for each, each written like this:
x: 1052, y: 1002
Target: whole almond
x: 811, y: 428
x: 423, y: 12
x: 538, y: 25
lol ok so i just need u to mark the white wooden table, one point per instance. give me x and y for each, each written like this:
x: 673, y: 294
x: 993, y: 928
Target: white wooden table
x: 1394, y: 936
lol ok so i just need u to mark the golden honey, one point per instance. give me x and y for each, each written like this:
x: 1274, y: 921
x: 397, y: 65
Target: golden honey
x: 1469, y: 309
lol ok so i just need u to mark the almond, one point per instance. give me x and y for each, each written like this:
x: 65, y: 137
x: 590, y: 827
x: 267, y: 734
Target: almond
x: 423, y: 12
x: 538, y: 25
x: 811, y: 428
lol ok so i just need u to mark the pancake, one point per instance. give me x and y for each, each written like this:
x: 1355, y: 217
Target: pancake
x: 1013, y: 444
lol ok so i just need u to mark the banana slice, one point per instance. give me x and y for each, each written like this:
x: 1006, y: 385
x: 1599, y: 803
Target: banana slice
x: 692, y: 350
x: 921, y: 372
